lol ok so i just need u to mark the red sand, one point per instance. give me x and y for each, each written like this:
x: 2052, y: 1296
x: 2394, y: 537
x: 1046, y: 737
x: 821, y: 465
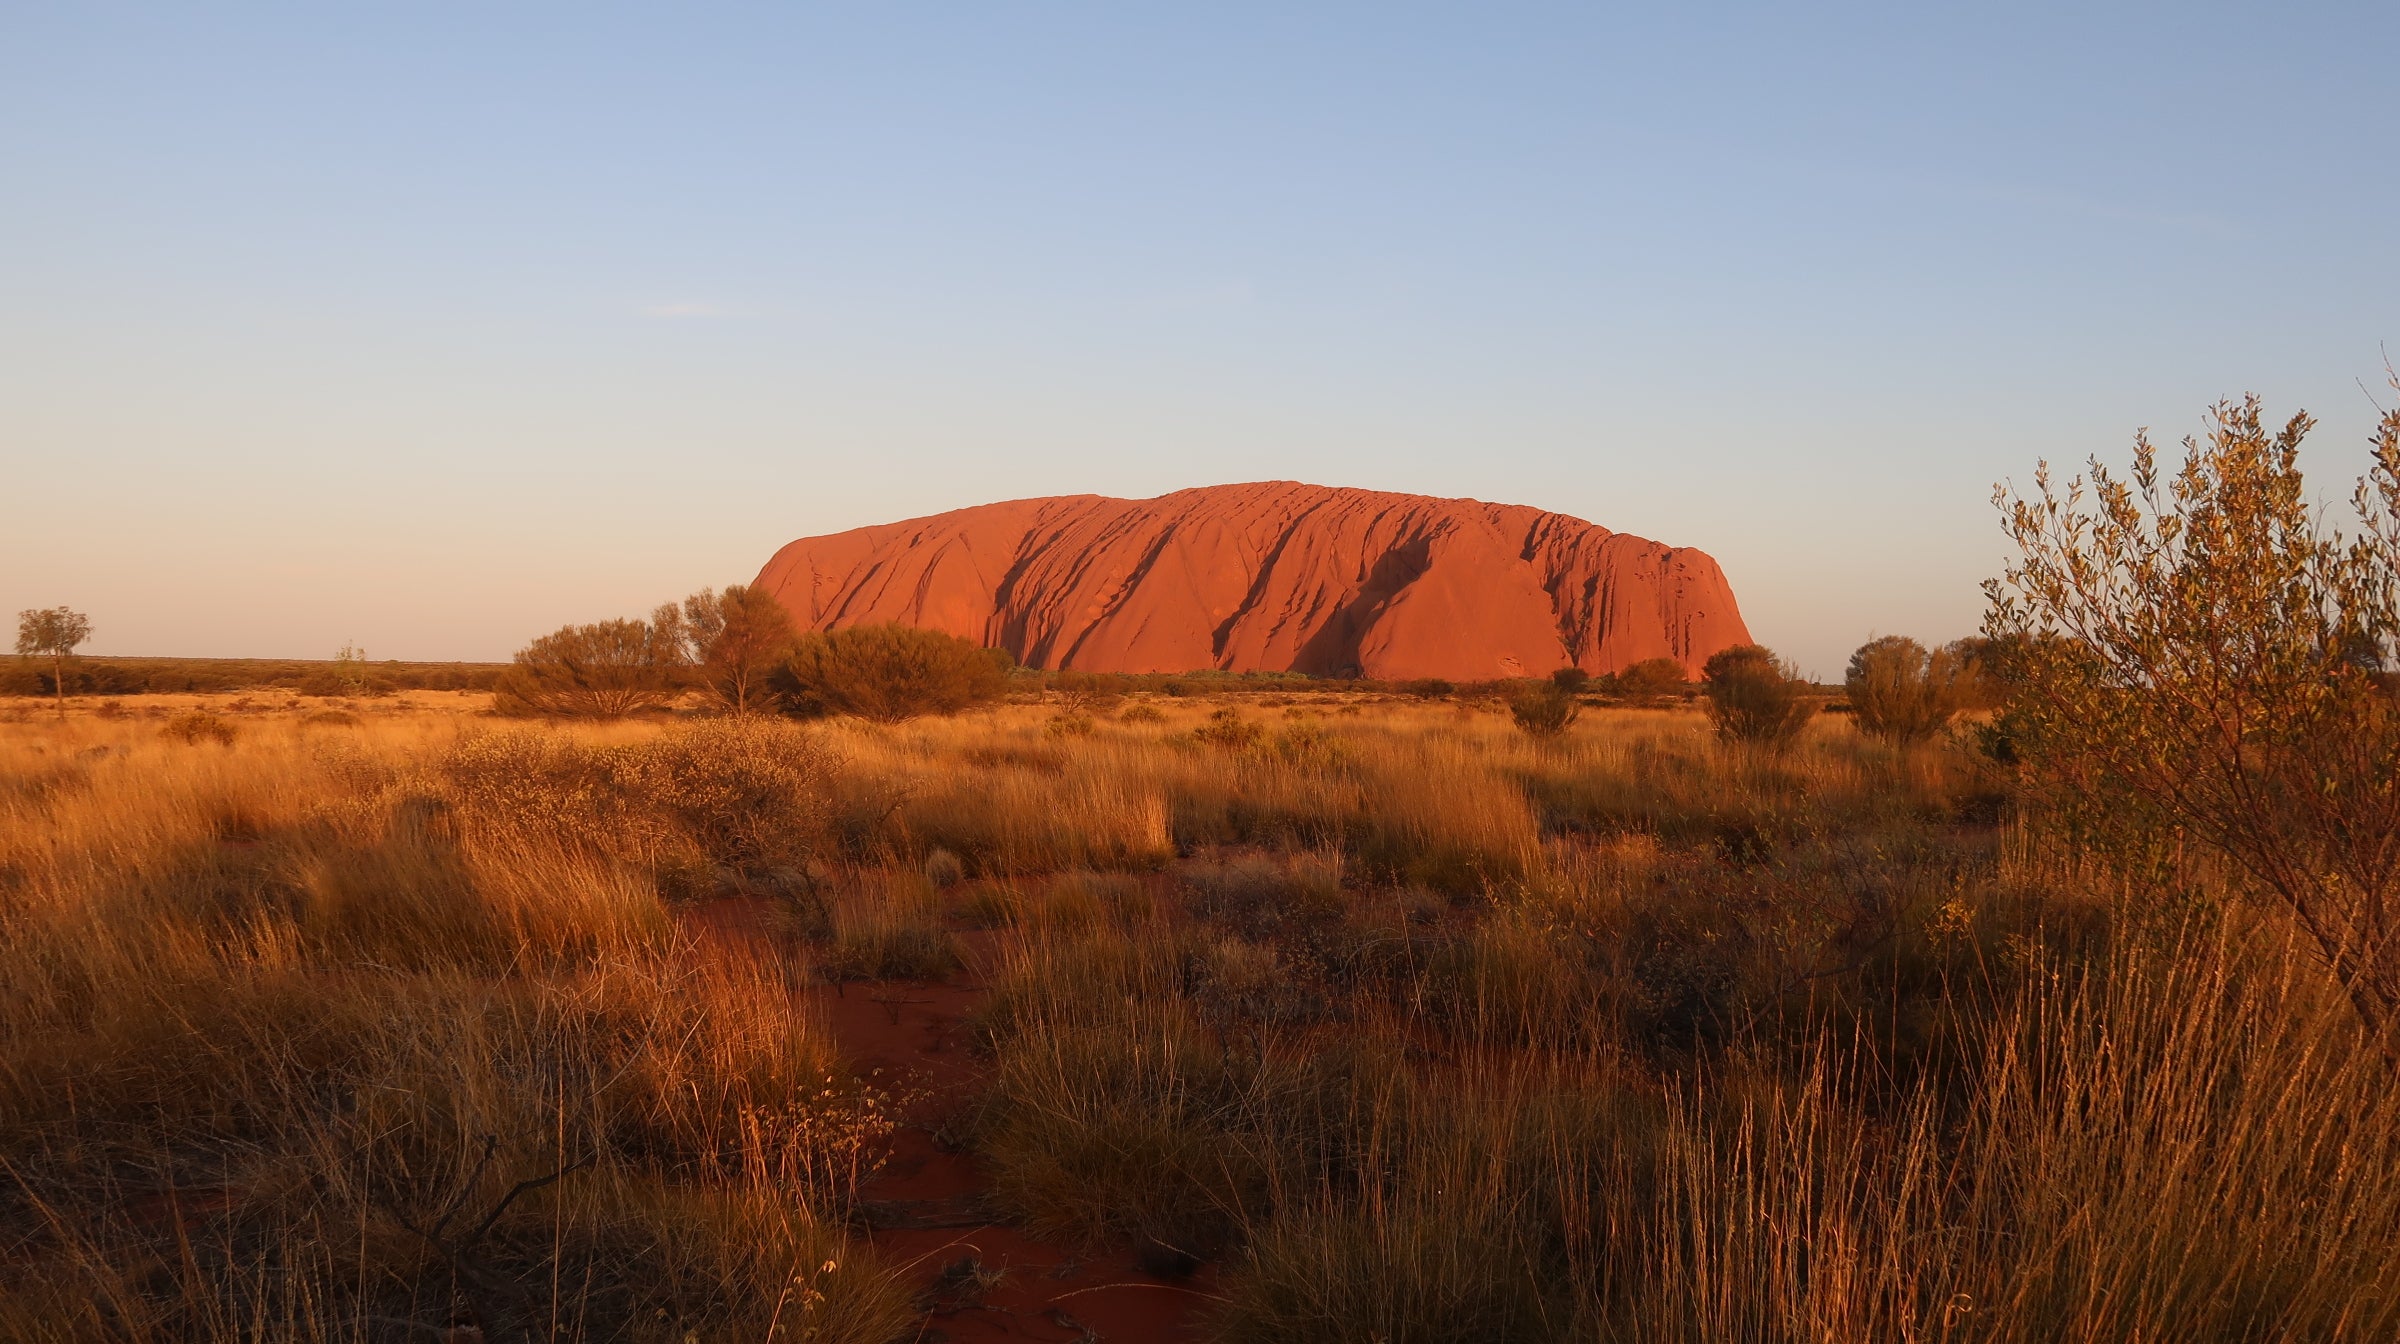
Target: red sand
x: 1272, y: 576
x: 915, y: 1035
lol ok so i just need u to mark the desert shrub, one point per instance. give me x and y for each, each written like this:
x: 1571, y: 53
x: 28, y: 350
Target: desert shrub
x: 1304, y: 741
x: 889, y: 673
x: 1141, y: 714
x: 743, y: 795
x: 324, y: 685
x: 736, y: 640
x: 747, y: 794
x: 1428, y: 688
x: 1652, y: 678
x: 329, y: 718
x: 200, y: 726
x: 1226, y: 728
x: 603, y: 671
x: 1087, y: 693
x: 1900, y: 691
x: 2199, y: 658
x: 943, y: 869
x: 1571, y: 680
x: 1755, y: 697
x: 1544, y: 711
x: 1069, y: 725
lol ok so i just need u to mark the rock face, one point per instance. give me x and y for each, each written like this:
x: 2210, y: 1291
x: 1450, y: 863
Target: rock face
x: 1272, y: 576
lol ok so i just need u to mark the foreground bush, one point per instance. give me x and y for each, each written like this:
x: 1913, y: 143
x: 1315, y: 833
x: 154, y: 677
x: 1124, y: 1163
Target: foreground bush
x: 889, y: 673
x: 2198, y: 657
x: 1754, y: 697
x: 1544, y: 711
x: 744, y: 796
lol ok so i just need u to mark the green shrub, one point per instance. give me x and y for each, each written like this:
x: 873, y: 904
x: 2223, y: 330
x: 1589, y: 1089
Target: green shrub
x: 1754, y: 696
x: 1544, y: 711
x: 2209, y: 665
x: 605, y: 670
x: 889, y: 673
x: 1653, y: 677
x: 1900, y: 691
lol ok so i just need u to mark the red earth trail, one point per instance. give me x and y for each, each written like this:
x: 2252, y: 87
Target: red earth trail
x: 927, y: 1211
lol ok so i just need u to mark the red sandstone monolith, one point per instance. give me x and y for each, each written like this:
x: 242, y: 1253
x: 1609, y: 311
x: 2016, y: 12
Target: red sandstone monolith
x: 1272, y: 576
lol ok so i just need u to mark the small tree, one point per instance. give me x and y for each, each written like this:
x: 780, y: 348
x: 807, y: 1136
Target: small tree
x: 1544, y: 711
x: 350, y: 668
x: 1754, y: 696
x: 889, y: 673
x: 1570, y: 680
x: 1900, y: 691
x: 737, y: 639
x: 2197, y: 656
x: 53, y: 634
x: 605, y: 670
x: 1653, y: 677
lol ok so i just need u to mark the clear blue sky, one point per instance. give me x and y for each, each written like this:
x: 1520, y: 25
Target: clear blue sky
x: 437, y: 327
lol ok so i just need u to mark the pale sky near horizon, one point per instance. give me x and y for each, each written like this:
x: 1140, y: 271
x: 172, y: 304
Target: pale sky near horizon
x: 435, y: 327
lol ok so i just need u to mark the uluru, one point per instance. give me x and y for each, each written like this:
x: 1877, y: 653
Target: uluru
x: 1272, y: 576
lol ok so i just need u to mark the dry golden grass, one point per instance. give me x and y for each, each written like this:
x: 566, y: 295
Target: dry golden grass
x: 270, y: 1009
x: 1429, y: 1029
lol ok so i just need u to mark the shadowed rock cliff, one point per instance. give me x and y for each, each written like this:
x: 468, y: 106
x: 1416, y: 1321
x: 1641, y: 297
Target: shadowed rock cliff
x: 1272, y: 576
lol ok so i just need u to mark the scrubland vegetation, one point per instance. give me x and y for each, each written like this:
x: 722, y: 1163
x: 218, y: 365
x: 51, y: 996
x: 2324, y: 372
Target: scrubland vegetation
x: 326, y: 679
x: 1423, y: 1027
x: 2047, y: 995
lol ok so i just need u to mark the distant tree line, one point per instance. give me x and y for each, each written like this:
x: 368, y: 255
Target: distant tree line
x: 179, y: 676
x: 48, y: 665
